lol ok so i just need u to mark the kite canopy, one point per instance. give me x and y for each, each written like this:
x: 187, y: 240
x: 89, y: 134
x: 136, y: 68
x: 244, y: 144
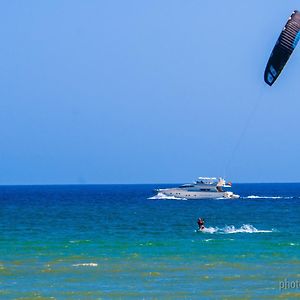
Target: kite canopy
x: 283, y: 48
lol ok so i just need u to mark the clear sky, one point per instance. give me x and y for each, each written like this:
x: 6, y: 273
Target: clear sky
x: 138, y: 91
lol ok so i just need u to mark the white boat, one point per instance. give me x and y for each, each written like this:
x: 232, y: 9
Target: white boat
x: 202, y: 188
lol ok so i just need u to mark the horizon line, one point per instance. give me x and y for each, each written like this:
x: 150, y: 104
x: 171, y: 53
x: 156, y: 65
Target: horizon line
x: 148, y: 183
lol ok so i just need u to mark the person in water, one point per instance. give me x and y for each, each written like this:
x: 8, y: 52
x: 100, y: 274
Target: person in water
x: 200, y: 223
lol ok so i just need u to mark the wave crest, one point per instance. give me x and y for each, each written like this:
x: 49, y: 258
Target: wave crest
x: 85, y: 265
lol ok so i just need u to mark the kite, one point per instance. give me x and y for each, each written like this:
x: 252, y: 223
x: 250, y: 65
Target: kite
x: 284, y: 47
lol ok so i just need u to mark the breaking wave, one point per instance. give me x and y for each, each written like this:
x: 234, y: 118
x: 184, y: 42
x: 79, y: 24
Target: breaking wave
x: 246, y: 228
x: 85, y: 265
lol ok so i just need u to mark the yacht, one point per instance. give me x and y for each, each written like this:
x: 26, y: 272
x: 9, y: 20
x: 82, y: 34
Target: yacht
x: 202, y: 188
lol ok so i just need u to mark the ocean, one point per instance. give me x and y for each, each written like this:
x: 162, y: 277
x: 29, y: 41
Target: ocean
x: 112, y: 242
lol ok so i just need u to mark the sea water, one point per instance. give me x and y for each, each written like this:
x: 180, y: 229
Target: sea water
x: 112, y: 242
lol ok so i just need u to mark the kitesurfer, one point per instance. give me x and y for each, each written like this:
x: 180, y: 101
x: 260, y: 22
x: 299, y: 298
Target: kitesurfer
x: 200, y: 223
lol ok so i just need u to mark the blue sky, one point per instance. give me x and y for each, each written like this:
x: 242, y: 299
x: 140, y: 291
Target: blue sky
x: 145, y: 92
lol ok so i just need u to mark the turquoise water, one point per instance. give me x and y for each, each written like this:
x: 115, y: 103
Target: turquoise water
x: 112, y: 242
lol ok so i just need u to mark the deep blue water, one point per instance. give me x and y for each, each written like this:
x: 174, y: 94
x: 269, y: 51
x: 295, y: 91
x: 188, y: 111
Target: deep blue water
x: 112, y: 242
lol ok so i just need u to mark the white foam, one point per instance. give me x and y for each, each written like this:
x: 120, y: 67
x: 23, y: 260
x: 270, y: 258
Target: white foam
x: 85, y: 265
x: 79, y: 241
x: 162, y: 196
x: 246, y: 228
x: 210, y: 229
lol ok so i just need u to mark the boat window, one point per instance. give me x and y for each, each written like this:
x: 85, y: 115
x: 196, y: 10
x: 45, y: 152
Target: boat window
x: 186, y: 186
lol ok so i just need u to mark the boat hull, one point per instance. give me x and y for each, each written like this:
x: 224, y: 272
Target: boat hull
x: 179, y: 193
